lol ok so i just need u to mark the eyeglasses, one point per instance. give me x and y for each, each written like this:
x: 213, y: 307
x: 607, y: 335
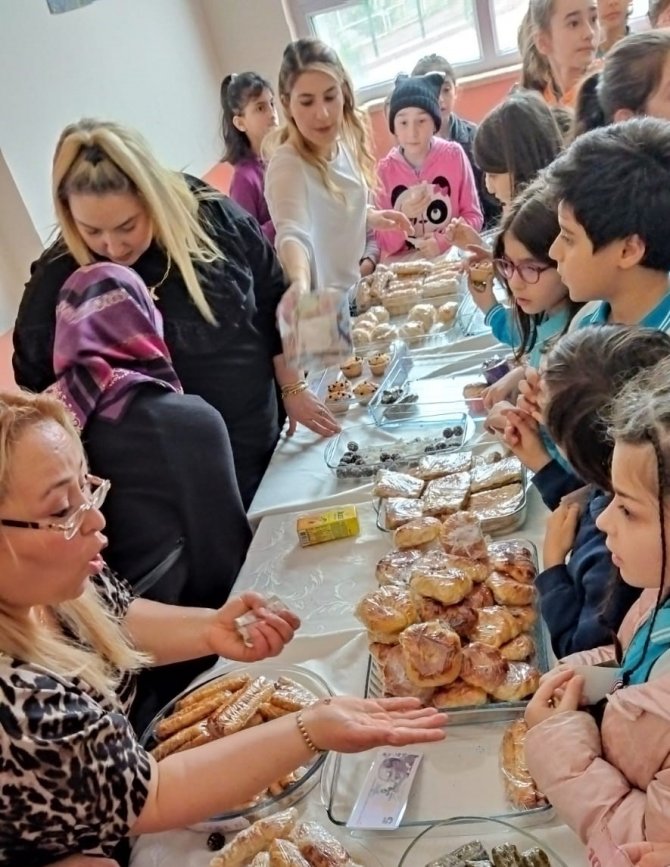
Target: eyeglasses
x: 94, y: 491
x: 528, y: 271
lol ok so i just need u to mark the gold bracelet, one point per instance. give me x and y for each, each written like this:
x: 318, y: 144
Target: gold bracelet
x: 293, y: 388
x: 305, y: 734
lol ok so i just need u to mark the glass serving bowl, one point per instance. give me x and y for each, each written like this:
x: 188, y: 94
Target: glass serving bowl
x: 442, y: 838
x: 235, y: 820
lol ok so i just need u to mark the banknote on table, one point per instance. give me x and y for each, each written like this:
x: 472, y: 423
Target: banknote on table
x: 383, y: 798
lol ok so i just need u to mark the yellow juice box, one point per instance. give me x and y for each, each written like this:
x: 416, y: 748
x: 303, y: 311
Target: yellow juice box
x: 334, y: 524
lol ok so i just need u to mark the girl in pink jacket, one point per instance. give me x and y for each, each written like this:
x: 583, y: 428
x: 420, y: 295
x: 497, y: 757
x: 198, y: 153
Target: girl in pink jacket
x: 427, y: 178
x: 611, y: 782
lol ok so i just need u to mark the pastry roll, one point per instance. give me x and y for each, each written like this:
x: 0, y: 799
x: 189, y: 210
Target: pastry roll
x: 418, y: 532
x: 462, y: 536
x: 437, y: 465
x: 494, y: 475
x: 392, y: 484
x: 319, y: 847
x: 394, y: 678
x: 412, y: 268
x: 249, y: 842
x: 458, y: 694
x: 513, y: 558
x: 483, y: 666
x: 519, y: 649
x: 448, y: 586
x: 432, y: 653
x: 496, y: 626
x: 386, y: 611
x: 236, y: 715
x: 181, y: 719
x: 400, y: 510
x: 290, y: 696
x: 446, y: 495
x: 229, y: 683
x: 520, y: 681
x: 181, y: 740
x: 507, y: 591
x: 462, y: 618
x: 481, y: 597
x: 396, y: 566
x: 519, y: 785
x: 283, y: 853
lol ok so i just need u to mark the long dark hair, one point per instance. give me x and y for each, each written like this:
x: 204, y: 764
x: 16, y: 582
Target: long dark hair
x: 631, y: 73
x: 583, y: 373
x: 640, y: 415
x: 533, y: 220
x: 236, y: 93
x: 520, y: 136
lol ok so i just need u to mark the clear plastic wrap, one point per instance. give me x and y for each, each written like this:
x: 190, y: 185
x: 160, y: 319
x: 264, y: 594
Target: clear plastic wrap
x: 519, y: 786
x: 393, y: 484
x: 462, y: 536
x: 401, y: 510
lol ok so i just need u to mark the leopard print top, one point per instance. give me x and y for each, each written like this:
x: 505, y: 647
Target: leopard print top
x: 74, y: 778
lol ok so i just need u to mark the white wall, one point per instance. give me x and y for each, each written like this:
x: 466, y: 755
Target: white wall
x: 147, y: 63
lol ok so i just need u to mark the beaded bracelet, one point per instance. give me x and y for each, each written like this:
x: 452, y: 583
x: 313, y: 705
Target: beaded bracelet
x: 305, y: 734
x: 293, y: 388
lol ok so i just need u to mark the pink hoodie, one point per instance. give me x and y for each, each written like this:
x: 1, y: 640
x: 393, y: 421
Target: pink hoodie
x: 448, y: 176
x: 614, y: 779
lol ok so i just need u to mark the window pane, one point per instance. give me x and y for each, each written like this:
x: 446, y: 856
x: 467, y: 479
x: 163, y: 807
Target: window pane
x: 507, y: 15
x: 377, y: 39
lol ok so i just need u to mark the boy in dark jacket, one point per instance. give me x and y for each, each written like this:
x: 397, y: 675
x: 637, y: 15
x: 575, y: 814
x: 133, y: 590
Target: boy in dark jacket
x: 455, y: 128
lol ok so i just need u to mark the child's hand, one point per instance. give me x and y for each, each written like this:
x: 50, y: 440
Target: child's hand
x: 496, y: 420
x: 503, y: 388
x: 560, y: 534
x: 389, y: 221
x: 366, y: 267
x: 417, y: 199
x: 428, y: 247
x: 648, y: 854
x: 462, y: 235
x: 558, y: 692
x: 530, y: 388
x: 522, y: 436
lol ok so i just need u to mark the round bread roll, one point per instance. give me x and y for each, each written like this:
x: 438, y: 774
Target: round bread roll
x: 396, y: 567
x: 513, y: 558
x: 388, y: 638
x: 524, y: 615
x: 519, y: 649
x: 384, y: 333
x: 423, y: 313
x: 394, y: 677
x: 507, y: 591
x: 458, y: 694
x: 496, y: 626
x: 386, y: 611
x: 437, y: 560
x: 481, y: 597
x: 520, y: 681
x: 462, y: 535
x: 432, y: 653
x: 448, y: 586
x: 461, y: 618
x: 447, y: 312
x: 420, y: 531
x: 361, y: 336
x: 379, y: 313
x: 411, y: 330
x: 483, y: 666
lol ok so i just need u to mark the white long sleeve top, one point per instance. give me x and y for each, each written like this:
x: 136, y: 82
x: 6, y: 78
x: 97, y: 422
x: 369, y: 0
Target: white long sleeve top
x: 331, y: 229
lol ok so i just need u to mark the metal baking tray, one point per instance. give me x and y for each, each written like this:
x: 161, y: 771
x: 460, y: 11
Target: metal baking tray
x: 493, y: 526
x: 496, y: 711
x: 458, y: 776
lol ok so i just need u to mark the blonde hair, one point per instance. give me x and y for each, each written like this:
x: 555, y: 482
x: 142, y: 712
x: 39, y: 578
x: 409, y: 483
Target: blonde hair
x: 99, y: 157
x: 306, y: 55
x: 101, y: 652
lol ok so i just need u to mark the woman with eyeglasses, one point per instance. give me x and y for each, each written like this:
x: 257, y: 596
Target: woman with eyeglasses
x: 75, y: 779
x: 177, y: 528
x: 539, y: 308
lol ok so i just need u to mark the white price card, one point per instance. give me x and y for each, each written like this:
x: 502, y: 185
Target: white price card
x: 383, y: 799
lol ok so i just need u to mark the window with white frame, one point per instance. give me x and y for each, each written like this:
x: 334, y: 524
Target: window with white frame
x: 377, y: 39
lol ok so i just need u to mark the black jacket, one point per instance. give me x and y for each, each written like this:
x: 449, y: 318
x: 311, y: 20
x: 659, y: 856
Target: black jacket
x: 229, y: 365
x: 463, y: 132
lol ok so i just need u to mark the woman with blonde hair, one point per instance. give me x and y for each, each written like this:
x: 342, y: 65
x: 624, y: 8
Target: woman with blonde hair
x: 320, y: 173
x: 558, y: 40
x: 75, y: 779
x: 212, y: 274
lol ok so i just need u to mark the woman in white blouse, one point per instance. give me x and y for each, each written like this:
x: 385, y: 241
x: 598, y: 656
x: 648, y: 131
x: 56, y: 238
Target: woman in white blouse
x: 319, y: 174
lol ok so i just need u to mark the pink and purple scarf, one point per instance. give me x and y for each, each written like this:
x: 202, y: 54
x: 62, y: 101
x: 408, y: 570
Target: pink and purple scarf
x: 108, y: 340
